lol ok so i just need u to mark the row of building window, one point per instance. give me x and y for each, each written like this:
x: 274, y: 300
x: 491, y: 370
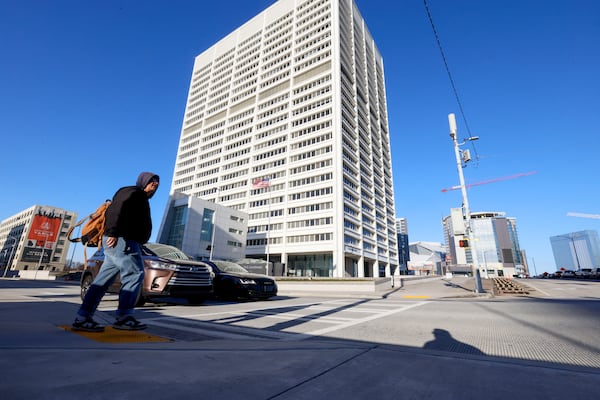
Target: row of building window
x: 311, y: 193
x: 248, y: 112
x: 272, y: 142
x: 317, y: 237
x: 275, y: 27
x: 220, y: 70
x: 323, y: 12
x: 218, y: 96
x: 272, y: 111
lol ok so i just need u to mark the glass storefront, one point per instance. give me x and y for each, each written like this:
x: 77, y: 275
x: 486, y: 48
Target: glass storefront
x: 310, y: 265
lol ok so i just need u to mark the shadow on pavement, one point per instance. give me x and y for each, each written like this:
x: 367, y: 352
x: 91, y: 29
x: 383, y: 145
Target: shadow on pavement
x: 43, y: 361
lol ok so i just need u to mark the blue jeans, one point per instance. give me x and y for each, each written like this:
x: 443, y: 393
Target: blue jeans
x: 124, y: 259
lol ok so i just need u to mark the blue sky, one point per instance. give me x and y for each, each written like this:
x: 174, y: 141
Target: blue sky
x: 93, y: 92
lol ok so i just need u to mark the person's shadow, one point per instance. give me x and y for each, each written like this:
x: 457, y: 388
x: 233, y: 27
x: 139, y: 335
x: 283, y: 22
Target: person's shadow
x: 445, y: 342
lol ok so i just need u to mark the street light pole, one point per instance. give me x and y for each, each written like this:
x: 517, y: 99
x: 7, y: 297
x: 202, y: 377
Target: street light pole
x: 45, y: 234
x: 572, y: 239
x: 466, y: 210
x: 269, y: 229
x: 12, y: 251
x: 485, y: 264
x: 214, y: 231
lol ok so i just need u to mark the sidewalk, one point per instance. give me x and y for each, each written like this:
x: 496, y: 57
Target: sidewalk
x: 40, y: 360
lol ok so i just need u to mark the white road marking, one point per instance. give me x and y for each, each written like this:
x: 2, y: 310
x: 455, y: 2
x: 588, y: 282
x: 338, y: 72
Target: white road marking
x: 363, y: 320
x: 228, y: 323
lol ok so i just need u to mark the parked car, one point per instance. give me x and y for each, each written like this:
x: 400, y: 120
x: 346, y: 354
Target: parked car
x: 232, y: 282
x: 168, y: 273
x: 568, y: 274
x: 70, y: 276
x: 584, y: 273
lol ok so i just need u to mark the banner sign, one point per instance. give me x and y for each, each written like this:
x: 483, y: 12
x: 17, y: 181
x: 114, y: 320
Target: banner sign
x: 42, y: 236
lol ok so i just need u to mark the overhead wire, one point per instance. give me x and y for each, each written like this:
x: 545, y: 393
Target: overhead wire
x: 455, y: 91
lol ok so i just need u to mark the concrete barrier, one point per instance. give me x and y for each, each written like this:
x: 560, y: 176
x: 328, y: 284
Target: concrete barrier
x: 310, y: 285
x: 366, y: 286
x: 37, y: 275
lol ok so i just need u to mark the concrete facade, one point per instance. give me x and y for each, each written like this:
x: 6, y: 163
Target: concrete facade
x: 36, y: 239
x: 286, y: 119
x: 204, y: 230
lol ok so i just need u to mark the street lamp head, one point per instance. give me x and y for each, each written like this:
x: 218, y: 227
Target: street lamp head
x: 472, y: 138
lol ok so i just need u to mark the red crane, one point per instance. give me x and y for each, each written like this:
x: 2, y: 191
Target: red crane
x: 504, y: 178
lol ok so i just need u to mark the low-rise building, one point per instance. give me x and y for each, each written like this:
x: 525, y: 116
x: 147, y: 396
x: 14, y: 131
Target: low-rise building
x: 202, y: 229
x: 36, y: 239
x: 427, y: 258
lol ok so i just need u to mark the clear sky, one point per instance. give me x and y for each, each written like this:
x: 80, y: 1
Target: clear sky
x: 94, y: 92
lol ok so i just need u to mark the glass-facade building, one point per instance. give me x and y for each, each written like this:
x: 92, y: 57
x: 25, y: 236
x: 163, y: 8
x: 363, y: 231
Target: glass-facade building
x: 403, y: 245
x: 498, y: 252
x: 576, y: 250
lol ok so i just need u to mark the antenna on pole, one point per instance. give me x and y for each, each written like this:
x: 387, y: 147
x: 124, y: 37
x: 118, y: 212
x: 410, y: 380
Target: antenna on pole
x: 452, y: 124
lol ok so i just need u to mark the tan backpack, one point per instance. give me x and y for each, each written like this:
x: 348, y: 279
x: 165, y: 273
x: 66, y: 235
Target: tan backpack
x: 92, y: 230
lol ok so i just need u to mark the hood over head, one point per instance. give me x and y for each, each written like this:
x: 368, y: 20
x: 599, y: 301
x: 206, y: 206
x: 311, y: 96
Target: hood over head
x: 144, y: 178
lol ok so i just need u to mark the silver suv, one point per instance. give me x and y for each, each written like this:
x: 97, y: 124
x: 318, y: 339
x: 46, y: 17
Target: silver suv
x: 168, y: 273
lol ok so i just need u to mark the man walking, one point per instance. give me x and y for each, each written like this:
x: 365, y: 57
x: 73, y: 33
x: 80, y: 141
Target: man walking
x: 128, y: 226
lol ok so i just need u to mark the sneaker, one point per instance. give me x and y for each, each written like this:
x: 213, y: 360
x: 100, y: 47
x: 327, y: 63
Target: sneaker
x: 87, y: 325
x: 129, y: 324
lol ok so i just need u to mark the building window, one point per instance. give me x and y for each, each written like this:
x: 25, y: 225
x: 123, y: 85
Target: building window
x: 206, y: 232
x: 176, y: 230
x: 310, y: 265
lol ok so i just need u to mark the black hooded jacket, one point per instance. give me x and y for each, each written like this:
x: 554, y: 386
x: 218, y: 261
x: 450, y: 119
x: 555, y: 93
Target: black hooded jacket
x: 128, y: 215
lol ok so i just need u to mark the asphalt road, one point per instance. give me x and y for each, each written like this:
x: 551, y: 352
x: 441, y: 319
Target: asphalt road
x: 431, y: 339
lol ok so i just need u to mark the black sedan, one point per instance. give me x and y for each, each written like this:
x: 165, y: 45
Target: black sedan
x: 232, y: 281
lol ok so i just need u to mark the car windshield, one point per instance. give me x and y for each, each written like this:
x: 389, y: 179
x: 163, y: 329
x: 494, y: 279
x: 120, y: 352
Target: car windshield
x: 166, y: 251
x: 228, y: 266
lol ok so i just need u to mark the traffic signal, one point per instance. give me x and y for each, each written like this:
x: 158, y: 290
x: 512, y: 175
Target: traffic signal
x: 463, y: 243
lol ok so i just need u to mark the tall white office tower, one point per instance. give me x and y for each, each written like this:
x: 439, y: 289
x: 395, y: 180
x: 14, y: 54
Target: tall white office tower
x: 286, y: 119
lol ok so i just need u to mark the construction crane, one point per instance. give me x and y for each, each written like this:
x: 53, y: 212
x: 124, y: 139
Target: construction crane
x: 504, y: 178
x: 582, y: 215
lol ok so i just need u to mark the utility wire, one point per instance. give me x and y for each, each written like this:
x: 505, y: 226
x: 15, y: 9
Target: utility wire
x: 439, y: 43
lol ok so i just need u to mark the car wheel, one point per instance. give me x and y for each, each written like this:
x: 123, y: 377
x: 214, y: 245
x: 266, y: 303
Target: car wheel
x: 195, y: 300
x: 86, y: 282
x: 228, y: 291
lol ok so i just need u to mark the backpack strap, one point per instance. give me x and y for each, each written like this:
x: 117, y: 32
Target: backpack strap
x: 71, y: 229
x: 85, y: 257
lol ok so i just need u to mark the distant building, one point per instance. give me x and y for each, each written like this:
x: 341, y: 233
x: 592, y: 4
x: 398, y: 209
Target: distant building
x: 401, y: 226
x: 36, y: 239
x: 202, y: 229
x: 427, y: 258
x: 286, y: 119
x: 403, y: 245
x: 496, y: 243
x: 577, y: 250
